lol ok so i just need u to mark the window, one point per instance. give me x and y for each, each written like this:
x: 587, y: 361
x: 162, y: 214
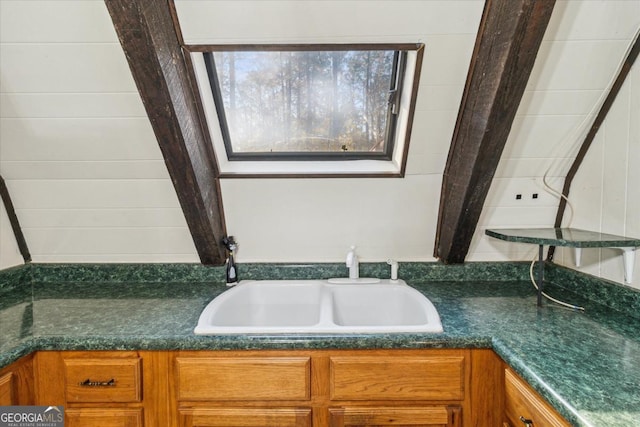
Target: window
x: 299, y: 109
x: 306, y: 104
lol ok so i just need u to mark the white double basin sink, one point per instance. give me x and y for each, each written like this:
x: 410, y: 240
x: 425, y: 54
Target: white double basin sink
x: 334, y: 306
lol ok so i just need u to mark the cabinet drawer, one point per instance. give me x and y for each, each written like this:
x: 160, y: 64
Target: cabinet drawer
x: 389, y: 378
x: 522, y: 401
x: 103, y: 380
x: 108, y: 417
x: 264, y: 378
x: 246, y: 417
x: 436, y: 416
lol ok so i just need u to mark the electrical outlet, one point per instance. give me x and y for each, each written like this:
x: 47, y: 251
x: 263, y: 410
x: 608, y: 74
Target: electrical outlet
x: 519, y: 192
x: 528, y: 195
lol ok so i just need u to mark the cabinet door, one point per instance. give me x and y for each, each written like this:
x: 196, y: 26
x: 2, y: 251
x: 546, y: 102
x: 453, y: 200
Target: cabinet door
x: 245, y: 417
x: 435, y: 416
x: 6, y: 390
x: 17, y: 383
x: 524, y: 407
x: 103, y: 417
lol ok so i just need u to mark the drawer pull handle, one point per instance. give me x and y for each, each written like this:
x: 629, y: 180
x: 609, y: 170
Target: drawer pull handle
x: 89, y: 383
x: 527, y: 422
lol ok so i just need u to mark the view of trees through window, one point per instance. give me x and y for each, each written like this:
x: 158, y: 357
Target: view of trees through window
x: 305, y: 101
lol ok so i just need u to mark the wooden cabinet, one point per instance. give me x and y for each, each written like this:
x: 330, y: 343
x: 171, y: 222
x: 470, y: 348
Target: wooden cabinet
x: 423, y: 388
x: 96, y: 388
x: 104, y: 379
x: 322, y: 388
x: 389, y: 377
x: 436, y: 416
x: 104, y: 417
x: 233, y: 389
x: 6, y: 389
x: 430, y: 387
x: 525, y: 408
x: 243, y: 378
x: 17, y: 383
x: 245, y: 417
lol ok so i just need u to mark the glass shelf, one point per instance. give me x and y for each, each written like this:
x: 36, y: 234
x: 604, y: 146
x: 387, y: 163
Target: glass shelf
x: 573, y: 238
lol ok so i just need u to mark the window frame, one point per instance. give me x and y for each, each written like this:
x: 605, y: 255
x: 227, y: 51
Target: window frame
x: 395, y: 86
x: 391, y: 163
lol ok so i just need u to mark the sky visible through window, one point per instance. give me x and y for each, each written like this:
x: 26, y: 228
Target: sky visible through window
x: 306, y: 101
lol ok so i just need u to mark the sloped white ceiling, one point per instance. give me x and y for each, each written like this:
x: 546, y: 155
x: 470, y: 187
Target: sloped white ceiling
x: 319, y: 219
x: 89, y: 183
x: 76, y: 148
x: 580, y: 54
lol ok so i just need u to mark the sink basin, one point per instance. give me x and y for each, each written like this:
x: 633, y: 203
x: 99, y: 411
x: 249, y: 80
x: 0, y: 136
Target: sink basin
x: 381, y: 305
x: 267, y: 305
x: 319, y: 306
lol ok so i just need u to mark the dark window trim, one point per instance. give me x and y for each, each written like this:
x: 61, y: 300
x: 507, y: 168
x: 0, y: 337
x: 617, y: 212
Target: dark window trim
x: 416, y: 48
x: 395, y: 95
x: 301, y: 47
x: 395, y: 86
x: 395, y: 90
x: 214, y: 83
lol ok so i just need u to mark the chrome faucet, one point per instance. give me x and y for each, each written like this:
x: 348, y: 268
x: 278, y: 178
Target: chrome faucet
x: 232, y: 271
x: 353, y: 264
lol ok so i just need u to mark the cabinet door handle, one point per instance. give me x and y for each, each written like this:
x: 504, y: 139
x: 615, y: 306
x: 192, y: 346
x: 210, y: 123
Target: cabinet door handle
x: 89, y: 383
x: 527, y: 422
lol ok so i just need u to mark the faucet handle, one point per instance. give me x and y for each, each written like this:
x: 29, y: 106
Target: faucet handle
x: 394, y: 269
x: 351, y: 256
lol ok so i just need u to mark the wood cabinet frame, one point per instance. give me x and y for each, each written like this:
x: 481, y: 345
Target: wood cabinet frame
x: 476, y: 399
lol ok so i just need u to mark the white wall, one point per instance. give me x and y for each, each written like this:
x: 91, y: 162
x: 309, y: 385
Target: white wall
x: 606, y: 191
x: 89, y: 184
x: 582, y: 48
x: 87, y: 177
x: 77, y: 151
x: 319, y: 219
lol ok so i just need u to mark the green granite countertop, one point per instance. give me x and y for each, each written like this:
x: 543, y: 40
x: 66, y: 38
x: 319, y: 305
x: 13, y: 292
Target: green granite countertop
x: 587, y: 365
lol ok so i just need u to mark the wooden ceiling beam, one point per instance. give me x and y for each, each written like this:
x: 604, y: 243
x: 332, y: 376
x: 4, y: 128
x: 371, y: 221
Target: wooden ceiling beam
x: 507, y: 44
x: 152, y: 46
